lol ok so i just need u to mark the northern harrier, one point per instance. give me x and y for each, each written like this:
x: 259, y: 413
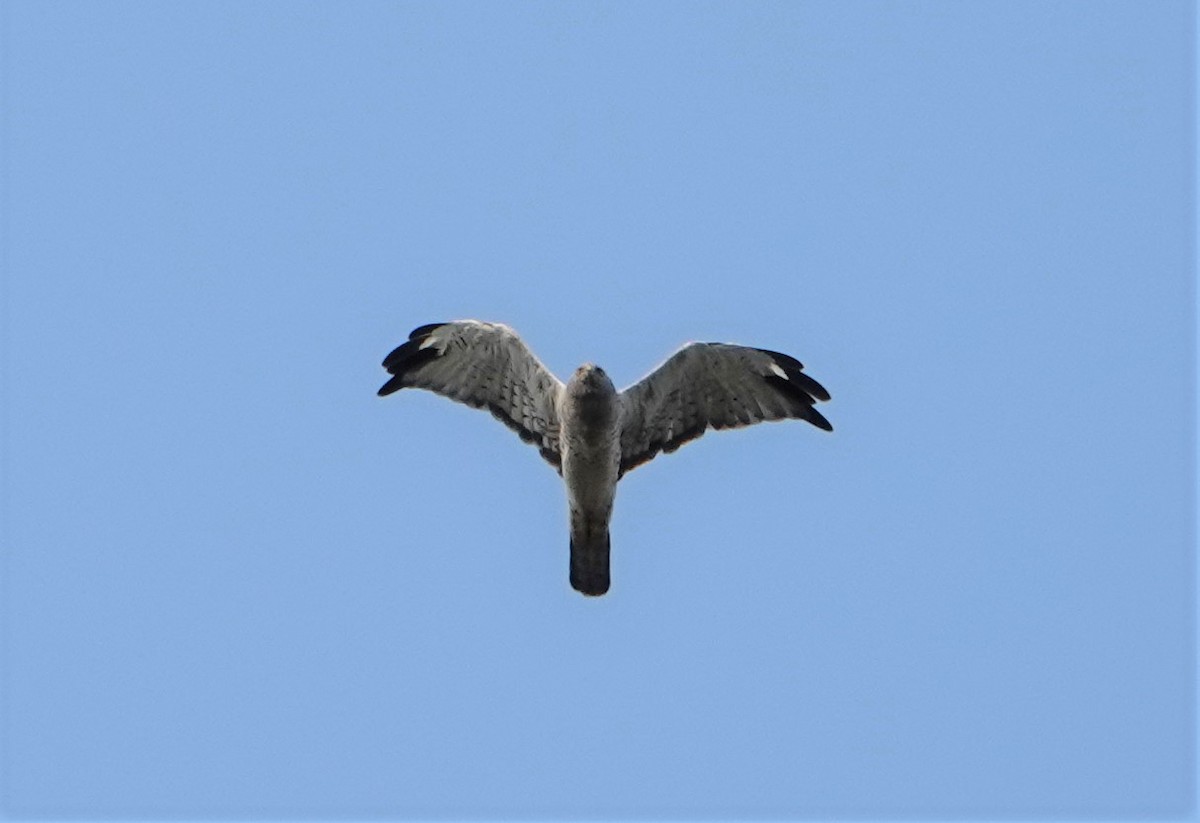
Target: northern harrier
x: 587, y: 430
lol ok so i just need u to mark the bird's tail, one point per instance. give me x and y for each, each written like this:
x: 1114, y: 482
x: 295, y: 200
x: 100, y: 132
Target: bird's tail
x: 589, y: 555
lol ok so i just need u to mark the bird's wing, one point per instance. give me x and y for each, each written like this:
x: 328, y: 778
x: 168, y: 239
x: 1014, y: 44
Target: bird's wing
x: 485, y: 365
x: 714, y: 385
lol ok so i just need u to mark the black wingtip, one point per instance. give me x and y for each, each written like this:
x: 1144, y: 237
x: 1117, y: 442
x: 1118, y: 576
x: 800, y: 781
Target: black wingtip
x: 424, y: 331
x: 406, y: 357
x: 410, y: 355
x: 399, y: 357
x: 808, y: 384
x: 817, y: 419
x: 794, y: 370
x: 785, y: 361
x: 796, y: 392
x: 391, y: 386
x: 789, y: 389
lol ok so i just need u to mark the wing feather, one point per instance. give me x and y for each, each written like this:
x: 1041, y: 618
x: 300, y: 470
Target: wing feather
x: 713, y: 385
x: 484, y: 365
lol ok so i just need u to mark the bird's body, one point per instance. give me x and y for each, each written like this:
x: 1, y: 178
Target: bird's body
x: 591, y: 433
x: 591, y: 466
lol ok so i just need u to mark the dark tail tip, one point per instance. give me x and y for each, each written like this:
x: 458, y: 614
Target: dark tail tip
x: 593, y: 586
x: 589, y: 566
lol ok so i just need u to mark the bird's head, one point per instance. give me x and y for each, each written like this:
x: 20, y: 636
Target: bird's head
x: 590, y: 379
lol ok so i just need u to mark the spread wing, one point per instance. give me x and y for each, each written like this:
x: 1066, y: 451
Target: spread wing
x: 485, y: 365
x: 714, y: 385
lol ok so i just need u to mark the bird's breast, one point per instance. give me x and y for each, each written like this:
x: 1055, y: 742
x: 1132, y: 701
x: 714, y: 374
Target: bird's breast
x: 591, y: 459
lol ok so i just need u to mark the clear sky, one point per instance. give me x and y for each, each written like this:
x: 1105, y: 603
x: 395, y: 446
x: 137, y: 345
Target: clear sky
x: 237, y: 584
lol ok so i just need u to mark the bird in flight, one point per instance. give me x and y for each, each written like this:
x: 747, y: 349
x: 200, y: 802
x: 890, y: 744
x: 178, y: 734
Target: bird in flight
x: 587, y: 430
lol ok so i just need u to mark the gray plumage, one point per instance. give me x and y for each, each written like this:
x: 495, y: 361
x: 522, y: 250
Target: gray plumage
x: 591, y: 433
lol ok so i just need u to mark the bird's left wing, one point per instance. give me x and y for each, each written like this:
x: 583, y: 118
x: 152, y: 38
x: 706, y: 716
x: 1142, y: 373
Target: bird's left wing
x: 485, y: 365
x: 715, y: 385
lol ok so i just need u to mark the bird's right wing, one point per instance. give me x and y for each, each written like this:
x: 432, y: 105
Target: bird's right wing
x: 715, y: 385
x: 485, y: 365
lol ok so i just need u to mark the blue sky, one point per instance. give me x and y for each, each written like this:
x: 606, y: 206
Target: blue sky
x: 237, y: 584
